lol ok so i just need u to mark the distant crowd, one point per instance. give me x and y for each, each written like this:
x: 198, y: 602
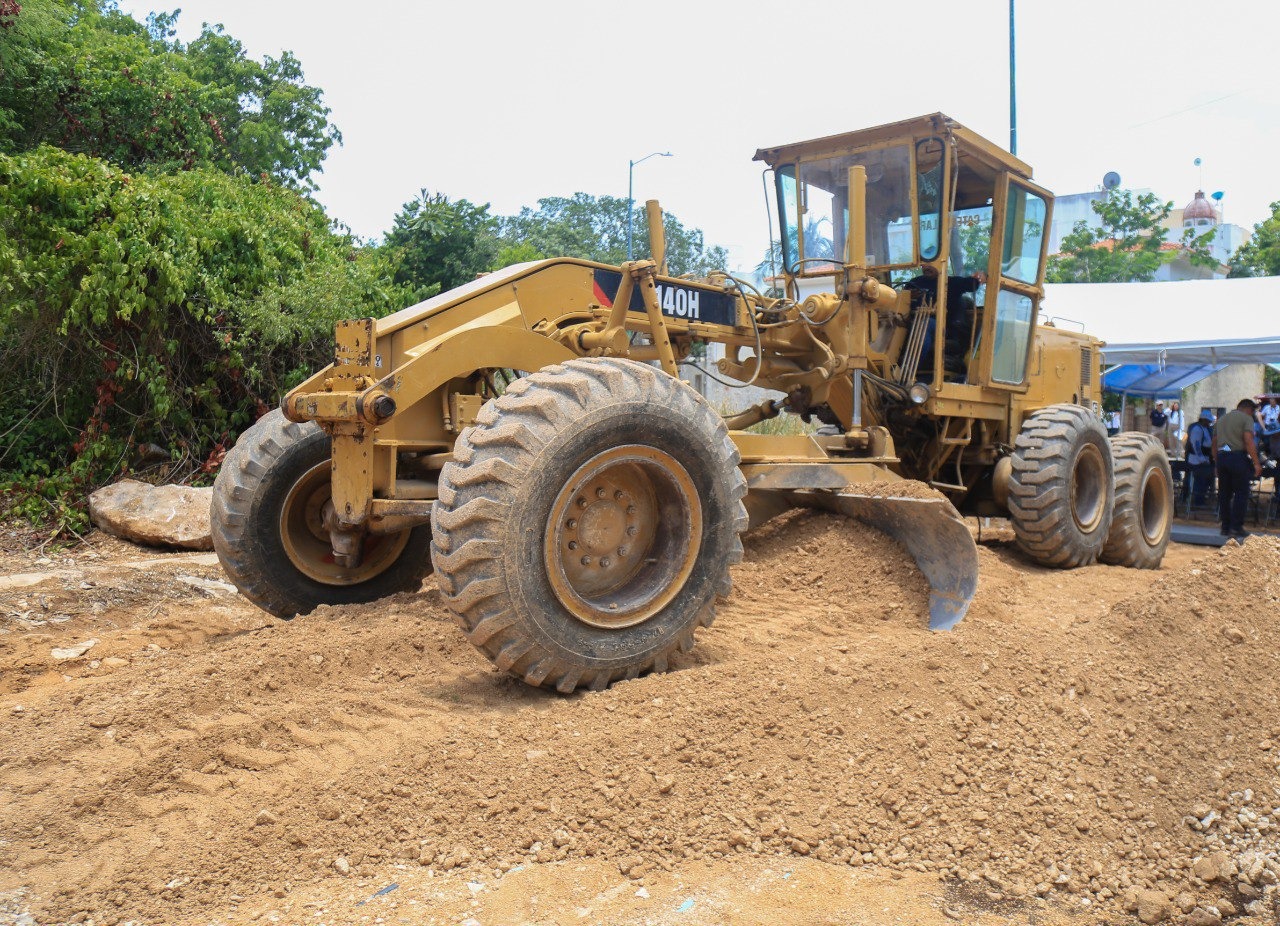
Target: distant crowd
x: 1229, y: 452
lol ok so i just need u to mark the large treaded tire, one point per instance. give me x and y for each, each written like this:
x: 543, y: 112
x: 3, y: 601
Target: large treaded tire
x: 494, y: 515
x: 1143, y: 516
x: 1061, y: 489
x: 252, y: 487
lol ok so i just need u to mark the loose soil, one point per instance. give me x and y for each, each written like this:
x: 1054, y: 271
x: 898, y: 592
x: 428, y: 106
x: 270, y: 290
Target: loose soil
x: 1085, y: 747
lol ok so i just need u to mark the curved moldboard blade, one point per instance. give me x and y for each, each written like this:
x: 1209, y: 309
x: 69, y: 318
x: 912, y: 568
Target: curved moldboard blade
x: 933, y: 533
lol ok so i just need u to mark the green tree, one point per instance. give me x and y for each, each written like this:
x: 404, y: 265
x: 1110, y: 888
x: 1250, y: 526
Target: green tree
x: 1127, y: 248
x: 83, y: 76
x: 595, y: 228
x: 1260, y: 255
x: 160, y: 308
x: 438, y: 243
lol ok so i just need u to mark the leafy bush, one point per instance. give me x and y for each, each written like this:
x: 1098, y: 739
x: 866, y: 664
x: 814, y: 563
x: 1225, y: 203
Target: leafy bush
x: 141, y: 311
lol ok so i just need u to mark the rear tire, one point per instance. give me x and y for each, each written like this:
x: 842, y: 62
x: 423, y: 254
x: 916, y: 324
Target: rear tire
x: 588, y: 522
x: 1061, y: 489
x: 267, y: 534
x: 1143, y: 516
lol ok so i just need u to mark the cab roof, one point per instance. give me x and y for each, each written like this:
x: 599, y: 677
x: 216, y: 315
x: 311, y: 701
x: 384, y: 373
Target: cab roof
x: 970, y: 142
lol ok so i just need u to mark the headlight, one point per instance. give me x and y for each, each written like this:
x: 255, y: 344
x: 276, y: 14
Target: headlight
x: 919, y: 393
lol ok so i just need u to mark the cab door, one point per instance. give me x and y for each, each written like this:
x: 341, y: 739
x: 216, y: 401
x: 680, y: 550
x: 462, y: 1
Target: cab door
x: 1015, y: 282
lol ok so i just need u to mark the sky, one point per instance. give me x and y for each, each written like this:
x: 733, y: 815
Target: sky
x: 506, y: 103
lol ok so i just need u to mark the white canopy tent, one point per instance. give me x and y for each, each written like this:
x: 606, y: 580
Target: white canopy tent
x: 1163, y: 337
x: 1158, y: 313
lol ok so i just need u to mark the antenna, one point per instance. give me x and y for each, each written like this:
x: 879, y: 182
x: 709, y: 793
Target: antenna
x: 1111, y: 180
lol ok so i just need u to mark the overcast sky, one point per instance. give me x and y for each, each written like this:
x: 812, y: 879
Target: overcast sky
x: 508, y: 102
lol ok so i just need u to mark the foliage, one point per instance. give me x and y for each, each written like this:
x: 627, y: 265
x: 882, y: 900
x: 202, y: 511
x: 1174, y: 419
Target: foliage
x: 1260, y: 255
x: 83, y: 76
x: 438, y: 244
x: 140, y: 310
x: 1127, y: 246
x: 595, y: 228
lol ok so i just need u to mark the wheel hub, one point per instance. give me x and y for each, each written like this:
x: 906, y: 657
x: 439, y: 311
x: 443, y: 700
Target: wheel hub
x: 1089, y: 489
x: 622, y: 536
x: 306, y: 538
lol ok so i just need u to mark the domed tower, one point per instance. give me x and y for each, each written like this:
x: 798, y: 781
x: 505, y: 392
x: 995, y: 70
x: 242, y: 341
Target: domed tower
x: 1199, y: 213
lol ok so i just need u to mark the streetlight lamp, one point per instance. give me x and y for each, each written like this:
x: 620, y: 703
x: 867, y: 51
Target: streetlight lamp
x: 631, y: 167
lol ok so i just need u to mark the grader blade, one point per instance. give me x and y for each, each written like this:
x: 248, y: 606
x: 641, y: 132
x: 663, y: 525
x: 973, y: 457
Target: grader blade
x: 933, y: 533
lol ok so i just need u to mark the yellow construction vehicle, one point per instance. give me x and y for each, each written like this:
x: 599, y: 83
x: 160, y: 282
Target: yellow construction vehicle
x: 528, y: 434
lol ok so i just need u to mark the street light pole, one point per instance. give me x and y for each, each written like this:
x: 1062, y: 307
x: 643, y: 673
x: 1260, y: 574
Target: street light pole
x: 1013, y: 89
x: 631, y: 167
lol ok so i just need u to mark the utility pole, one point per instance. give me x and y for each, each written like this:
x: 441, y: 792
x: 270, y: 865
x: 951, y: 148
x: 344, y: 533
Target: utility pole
x: 1013, y: 89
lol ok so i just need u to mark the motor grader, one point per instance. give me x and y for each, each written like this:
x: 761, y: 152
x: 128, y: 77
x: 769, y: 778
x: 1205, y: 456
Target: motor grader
x: 529, y: 437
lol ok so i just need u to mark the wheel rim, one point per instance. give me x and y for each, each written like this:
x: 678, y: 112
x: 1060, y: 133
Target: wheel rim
x: 623, y: 536
x: 1155, y: 505
x: 306, y: 540
x: 1088, y: 489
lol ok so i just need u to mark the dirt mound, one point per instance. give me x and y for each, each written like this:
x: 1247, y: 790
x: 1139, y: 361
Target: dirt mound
x: 1094, y: 736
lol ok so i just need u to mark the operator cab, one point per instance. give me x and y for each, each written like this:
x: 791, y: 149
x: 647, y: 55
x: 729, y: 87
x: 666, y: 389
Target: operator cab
x: 939, y: 198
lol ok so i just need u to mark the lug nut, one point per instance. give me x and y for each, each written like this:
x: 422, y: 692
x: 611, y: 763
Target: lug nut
x: 622, y: 552
x: 573, y: 544
x: 631, y: 530
x: 604, y: 562
x: 617, y: 496
x: 586, y: 560
x: 582, y: 503
x: 572, y: 523
x: 600, y: 493
x: 631, y: 509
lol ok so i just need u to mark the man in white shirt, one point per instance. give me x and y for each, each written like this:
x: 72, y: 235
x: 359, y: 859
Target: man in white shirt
x: 1269, y: 417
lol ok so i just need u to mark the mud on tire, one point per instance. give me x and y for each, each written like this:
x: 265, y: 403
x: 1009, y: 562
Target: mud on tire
x: 521, y: 478
x: 275, y: 552
x: 1061, y: 489
x: 1143, y: 514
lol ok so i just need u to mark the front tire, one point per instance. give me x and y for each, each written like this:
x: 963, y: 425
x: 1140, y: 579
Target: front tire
x: 587, y: 523
x: 268, y: 529
x: 1061, y: 488
x: 1143, y: 517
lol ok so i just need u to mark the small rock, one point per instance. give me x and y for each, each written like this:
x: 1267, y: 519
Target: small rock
x: 18, y: 708
x: 1154, y: 906
x: 342, y: 865
x: 1234, y: 634
x: 1205, y: 869
x: 114, y: 662
x: 1226, y: 868
x: 1203, y: 917
x: 665, y: 784
x: 1225, y: 907
x: 102, y: 721
x: 73, y: 652
x: 643, y: 893
x: 267, y: 818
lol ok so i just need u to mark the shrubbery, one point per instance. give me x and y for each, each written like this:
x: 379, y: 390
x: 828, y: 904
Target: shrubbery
x: 159, y: 310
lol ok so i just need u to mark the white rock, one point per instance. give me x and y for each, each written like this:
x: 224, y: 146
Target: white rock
x: 73, y: 652
x: 159, y: 516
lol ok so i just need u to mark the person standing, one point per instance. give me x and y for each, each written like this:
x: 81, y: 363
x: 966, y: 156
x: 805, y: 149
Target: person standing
x: 1160, y: 424
x: 1269, y: 417
x: 1177, y: 428
x: 1236, y: 454
x: 1199, y: 450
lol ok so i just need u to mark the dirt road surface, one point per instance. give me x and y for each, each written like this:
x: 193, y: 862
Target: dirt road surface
x: 1096, y: 746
